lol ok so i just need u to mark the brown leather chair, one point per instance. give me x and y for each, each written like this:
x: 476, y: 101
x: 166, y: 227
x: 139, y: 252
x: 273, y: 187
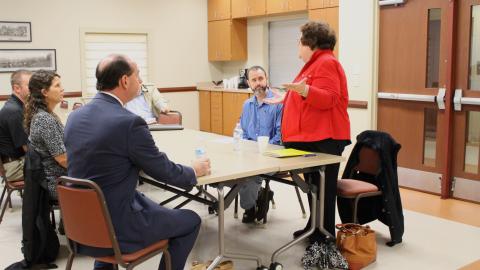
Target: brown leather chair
x: 76, y: 105
x: 64, y: 104
x: 10, y: 186
x: 369, y: 163
x: 91, y: 224
x: 170, y: 118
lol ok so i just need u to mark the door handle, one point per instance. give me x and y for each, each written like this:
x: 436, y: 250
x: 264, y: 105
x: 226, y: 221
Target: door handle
x: 458, y: 100
x: 410, y: 97
x: 439, y: 98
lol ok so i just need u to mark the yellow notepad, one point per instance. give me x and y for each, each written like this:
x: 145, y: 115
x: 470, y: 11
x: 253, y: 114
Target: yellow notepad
x: 287, y: 152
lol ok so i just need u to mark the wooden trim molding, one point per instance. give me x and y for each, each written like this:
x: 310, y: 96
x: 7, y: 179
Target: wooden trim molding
x: 358, y: 104
x: 65, y: 95
x: 177, y: 89
x: 72, y: 94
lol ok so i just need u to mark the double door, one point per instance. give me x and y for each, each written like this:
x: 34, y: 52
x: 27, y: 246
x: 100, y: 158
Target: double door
x: 429, y: 93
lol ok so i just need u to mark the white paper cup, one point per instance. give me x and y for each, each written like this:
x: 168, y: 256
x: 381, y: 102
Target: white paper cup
x: 262, y: 142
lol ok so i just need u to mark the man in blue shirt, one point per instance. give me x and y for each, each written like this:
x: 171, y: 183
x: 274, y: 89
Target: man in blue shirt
x: 148, y: 104
x: 258, y: 119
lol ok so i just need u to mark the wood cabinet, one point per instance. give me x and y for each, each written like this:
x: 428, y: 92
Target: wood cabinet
x: 216, y: 112
x: 204, y: 104
x: 218, y: 10
x: 314, y: 4
x: 220, y: 111
x: 232, y: 110
x: 227, y: 40
x: 248, y: 8
x: 330, y: 16
x: 282, y: 6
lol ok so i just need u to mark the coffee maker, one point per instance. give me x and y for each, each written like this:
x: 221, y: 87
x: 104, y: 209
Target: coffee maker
x: 242, y: 80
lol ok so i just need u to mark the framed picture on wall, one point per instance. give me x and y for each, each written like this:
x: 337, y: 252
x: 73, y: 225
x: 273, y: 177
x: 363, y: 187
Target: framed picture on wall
x: 29, y: 59
x: 15, y: 32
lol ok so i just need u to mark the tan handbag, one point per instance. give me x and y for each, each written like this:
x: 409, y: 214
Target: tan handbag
x: 357, y: 244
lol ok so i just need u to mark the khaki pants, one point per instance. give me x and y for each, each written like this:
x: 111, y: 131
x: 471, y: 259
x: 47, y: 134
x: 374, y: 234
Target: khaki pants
x: 14, y: 169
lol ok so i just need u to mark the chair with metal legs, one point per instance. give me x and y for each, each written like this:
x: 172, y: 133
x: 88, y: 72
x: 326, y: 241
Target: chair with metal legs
x: 369, y: 164
x: 91, y: 225
x: 10, y: 186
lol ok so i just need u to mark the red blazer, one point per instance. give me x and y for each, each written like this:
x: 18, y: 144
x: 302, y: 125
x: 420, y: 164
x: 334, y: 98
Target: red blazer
x: 323, y: 113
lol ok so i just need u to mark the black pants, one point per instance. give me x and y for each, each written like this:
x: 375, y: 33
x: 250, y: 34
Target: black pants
x: 328, y: 146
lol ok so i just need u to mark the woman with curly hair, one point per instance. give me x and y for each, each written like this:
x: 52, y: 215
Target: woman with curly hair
x: 43, y: 126
x: 316, y: 103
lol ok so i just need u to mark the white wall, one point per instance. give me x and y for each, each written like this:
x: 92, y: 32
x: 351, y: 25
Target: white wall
x: 359, y: 56
x: 177, y: 32
x: 187, y: 104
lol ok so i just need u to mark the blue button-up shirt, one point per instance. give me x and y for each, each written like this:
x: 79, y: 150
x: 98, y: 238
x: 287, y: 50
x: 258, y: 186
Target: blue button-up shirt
x: 139, y: 106
x: 261, y: 119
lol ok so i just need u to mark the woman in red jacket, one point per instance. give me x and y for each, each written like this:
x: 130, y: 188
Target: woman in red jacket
x: 315, y: 114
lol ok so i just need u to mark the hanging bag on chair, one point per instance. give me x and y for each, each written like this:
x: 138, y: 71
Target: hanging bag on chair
x: 357, y: 244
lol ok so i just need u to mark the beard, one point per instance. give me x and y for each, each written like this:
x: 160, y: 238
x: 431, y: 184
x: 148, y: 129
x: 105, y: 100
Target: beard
x: 260, y: 89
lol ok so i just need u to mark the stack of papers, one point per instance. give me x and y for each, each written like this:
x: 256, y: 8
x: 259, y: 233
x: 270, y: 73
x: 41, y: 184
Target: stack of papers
x: 287, y: 152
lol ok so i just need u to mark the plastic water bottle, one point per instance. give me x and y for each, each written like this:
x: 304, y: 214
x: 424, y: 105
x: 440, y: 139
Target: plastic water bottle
x: 200, y: 152
x: 237, y: 137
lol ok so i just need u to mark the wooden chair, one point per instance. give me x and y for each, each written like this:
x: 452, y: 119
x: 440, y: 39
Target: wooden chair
x: 76, y: 105
x: 10, y: 186
x: 369, y: 163
x: 91, y: 225
x: 170, y: 118
x: 64, y: 104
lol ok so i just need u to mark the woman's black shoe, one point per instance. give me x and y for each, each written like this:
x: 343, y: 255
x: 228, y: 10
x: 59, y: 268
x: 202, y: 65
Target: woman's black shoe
x: 316, y: 236
x: 302, y: 231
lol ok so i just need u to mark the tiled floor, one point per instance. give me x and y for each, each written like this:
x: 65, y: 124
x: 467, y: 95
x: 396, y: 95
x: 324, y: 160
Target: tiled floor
x: 434, y: 229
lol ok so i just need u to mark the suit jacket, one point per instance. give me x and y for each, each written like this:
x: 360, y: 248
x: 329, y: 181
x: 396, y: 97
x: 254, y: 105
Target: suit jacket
x: 110, y: 145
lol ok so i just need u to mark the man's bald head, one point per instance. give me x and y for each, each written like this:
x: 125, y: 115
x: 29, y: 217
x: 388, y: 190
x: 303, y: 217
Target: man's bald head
x: 111, y: 69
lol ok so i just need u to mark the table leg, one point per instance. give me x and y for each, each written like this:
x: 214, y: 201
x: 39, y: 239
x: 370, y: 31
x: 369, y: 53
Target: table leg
x: 221, y: 237
x: 321, y: 203
x: 313, y: 213
x: 316, y: 202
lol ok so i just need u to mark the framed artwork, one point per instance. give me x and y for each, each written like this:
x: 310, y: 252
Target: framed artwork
x: 15, y: 32
x: 29, y: 59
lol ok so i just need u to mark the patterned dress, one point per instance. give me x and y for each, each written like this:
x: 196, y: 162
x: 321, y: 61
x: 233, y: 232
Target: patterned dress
x: 46, y: 137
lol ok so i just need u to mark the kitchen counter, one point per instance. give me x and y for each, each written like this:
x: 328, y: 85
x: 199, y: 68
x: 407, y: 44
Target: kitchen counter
x: 211, y: 87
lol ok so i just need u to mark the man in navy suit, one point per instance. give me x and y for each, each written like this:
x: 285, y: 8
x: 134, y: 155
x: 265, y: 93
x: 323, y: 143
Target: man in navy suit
x: 110, y: 145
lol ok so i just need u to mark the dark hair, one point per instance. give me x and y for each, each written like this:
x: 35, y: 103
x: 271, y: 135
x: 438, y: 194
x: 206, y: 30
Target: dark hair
x: 255, y: 68
x: 109, y: 74
x: 16, y: 77
x: 318, y: 35
x: 40, y: 80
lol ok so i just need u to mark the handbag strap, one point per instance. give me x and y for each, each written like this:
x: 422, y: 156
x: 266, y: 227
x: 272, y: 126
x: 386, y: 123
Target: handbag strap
x: 353, y: 229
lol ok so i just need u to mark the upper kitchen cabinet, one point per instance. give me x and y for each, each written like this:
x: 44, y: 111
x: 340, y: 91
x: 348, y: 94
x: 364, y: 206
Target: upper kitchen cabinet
x: 313, y: 4
x: 282, y: 6
x: 218, y: 10
x: 330, y: 16
x: 227, y: 40
x: 248, y: 8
